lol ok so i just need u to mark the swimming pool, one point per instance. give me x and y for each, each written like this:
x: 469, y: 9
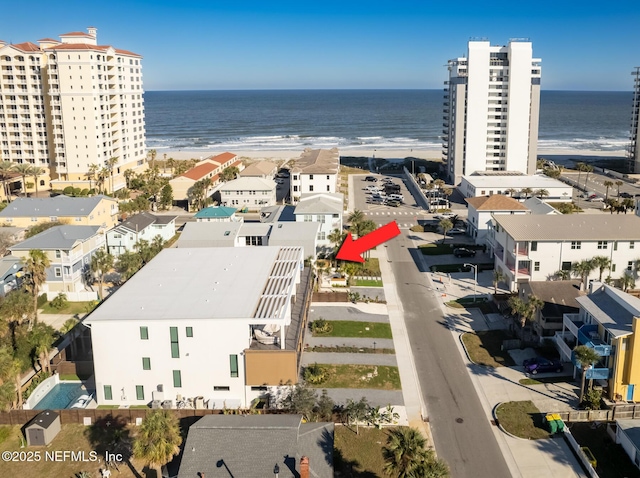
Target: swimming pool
x: 60, y: 396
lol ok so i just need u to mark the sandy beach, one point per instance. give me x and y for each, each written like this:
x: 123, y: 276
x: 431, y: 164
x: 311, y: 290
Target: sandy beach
x: 565, y: 157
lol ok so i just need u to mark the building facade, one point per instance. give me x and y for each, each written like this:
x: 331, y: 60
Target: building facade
x: 634, y: 150
x: 482, y: 209
x: 316, y: 170
x: 518, y: 186
x: 68, y: 104
x: 533, y: 247
x: 324, y: 208
x: 143, y: 226
x: 491, y: 110
x: 248, y: 192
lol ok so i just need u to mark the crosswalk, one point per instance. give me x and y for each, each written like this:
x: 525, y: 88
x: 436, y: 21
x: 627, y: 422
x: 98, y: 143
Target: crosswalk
x: 389, y: 213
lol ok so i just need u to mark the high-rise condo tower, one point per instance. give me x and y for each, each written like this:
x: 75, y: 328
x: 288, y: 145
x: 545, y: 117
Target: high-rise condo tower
x: 634, y: 151
x: 491, y: 109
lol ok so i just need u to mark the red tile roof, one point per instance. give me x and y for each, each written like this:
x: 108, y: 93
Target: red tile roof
x: 223, y: 157
x: 84, y: 46
x: 76, y: 34
x: 26, y: 46
x: 49, y: 39
x: 200, y: 172
x: 237, y: 164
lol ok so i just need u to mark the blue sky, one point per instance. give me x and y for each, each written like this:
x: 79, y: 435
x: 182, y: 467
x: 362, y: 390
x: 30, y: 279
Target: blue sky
x: 344, y: 44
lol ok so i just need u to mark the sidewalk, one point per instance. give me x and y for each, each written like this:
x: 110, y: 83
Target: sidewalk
x: 525, y: 458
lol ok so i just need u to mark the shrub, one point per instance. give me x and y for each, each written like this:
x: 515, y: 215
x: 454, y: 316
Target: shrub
x: 60, y: 302
x: 321, y: 326
x: 42, y: 299
x: 593, y: 399
x: 316, y: 374
x: 417, y: 228
x: 68, y: 191
x: 37, y: 380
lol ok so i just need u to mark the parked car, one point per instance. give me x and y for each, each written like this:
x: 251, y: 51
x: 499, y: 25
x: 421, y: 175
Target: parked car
x: 596, y: 199
x: 373, y: 188
x: 625, y: 195
x: 458, y: 230
x: 542, y: 365
x: 371, y: 179
x: 82, y: 401
x: 397, y: 197
x: 444, y: 215
x: 393, y: 203
x: 464, y: 252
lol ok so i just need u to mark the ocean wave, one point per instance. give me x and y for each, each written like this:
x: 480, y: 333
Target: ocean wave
x: 593, y: 144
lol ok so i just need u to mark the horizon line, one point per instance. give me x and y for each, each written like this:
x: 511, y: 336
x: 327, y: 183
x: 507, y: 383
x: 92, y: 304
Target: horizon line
x: 358, y: 89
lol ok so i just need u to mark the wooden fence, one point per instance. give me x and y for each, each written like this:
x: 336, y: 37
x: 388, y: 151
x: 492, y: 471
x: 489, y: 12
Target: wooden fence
x: 618, y: 412
x: 330, y: 297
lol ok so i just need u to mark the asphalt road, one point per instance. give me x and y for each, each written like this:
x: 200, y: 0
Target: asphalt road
x: 461, y: 431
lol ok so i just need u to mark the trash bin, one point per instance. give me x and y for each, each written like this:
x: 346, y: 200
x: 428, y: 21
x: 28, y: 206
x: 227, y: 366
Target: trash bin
x: 559, y: 422
x: 552, y: 425
x: 155, y: 404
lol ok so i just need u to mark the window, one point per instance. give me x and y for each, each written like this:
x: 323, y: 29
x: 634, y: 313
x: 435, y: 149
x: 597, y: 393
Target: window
x: 328, y: 188
x: 311, y: 188
x: 218, y: 388
x: 58, y: 272
x: 576, y: 244
x: 175, y: 350
x: 613, y: 267
x: 146, y: 363
x: 233, y: 364
x: 295, y: 188
x: 311, y: 177
x: 322, y: 236
x: 615, y: 245
x: 177, y: 379
x: 139, y: 392
x: 308, y: 218
x: 602, y: 244
x: 58, y: 254
x: 566, y: 266
x: 534, y: 245
x: 630, y: 265
x: 536, y: 266
x: 189, y: 331
x: 144, y: 333
x: 321, y: 218
x: 328, y: 178
x: 108, y: 395
x: 632, y: 245
x: 261, y: 388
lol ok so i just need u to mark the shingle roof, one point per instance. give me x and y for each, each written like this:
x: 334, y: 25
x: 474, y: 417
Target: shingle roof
x: 55, y: 206
x: 250, y: 446
x: 57, y: 237
x: 142, y: 220
x: 249, y: 184
x: 613, y: 308
x: 259, y: 168
x: 7, y: 264
x: 318, y: 203
x: 215, y: 211
x: 559, y: 296
x: 44, y: 419
x: 320, y: 161
x: 571, y: 227
x: 495, y: 202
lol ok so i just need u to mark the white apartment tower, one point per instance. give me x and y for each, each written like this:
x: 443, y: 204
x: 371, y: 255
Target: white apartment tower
x: 67, y: 105
x: 491, y: 109
x: 634, y: 150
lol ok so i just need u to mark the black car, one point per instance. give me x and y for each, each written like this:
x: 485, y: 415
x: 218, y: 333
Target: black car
x: 370, y: 178
x: 625, y: 195
x: 464, y: 252
x: 541, y: 364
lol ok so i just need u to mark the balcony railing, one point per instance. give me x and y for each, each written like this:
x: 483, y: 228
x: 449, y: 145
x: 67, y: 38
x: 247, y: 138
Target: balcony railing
x: 588, y: 335
x: 521, y: 251
x: 573, y: 323
x: 598, y: 374
x: 563, y: 341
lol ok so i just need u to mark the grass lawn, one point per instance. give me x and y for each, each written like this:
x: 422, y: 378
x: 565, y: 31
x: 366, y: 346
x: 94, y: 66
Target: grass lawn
x: 481, y: 303
x: 350, y: 350
x: 109, y: 407
x: 359, y: 456
x: 72, y: 438
x: 371, y: 267
x: 72, y: 308
x: 69, y: 376
x: 355, y: 376
x: 522, y: 419
x: 613, y: 462
x: 543, y: 380
x: 354, y: 328
x: 485, y: 348
x: 368, y: 283
x: 435, y: 249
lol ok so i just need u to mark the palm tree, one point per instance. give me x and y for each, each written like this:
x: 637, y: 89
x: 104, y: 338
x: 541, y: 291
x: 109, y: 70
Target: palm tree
x: 91, y: 175
x: 128, y: 174
x: 36, y: 172
x: 404, y: 452
x: 101, y: 263
x: 582, y: 270
x: 562, y: 274
x: 41, y: 338
x: 229, y: 173
x: 6, y: 167
x: 158, y: 439
x: 25, y: 170
x: 526, y: 192
x: 336, y: 237
x: 587, y: 169
x: 627, y: 281
x: 498, y: 276
x: 445, y: 225
x: 628, y: 204
x: 152, y: 154
x: 586, y: 357
x: 534, y: 306
x: 541, y: 193
x: 512, y: 192
x: 618, y: 184
x: 35, y: 268
x: 356, y: 216
x: 580, y: 167
x: 111, y: 162
x: 607, y: 184
x: 16, y: 373
x: 601, y: 263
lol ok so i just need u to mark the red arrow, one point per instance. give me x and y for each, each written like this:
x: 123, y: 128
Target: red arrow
x: 351, y: 250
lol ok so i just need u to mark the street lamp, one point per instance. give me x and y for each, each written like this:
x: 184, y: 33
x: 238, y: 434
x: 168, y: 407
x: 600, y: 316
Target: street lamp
x: 475, y: 278
x: 276, y: 470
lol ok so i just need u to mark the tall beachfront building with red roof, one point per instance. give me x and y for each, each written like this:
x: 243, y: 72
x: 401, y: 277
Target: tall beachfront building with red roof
x: 69, y: 104
x: 491, y: 110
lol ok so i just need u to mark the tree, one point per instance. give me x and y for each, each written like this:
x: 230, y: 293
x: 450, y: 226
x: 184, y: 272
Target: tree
x: 445, y: 226
x: 41, y: 338
x: 128, y: 175
x: 586, y: 357
x: 552, y: 173
x: 7, y: 378
x: 581, y: 168
x: 627, y: 281
x: 325, y: 407
x: 404, y: 453
x: 36, y: 172
x: 336, y: 237
x: 15, y: 309
x: 526, y: 192
x: 166, y: 196
x: 35, y: 268
x: 356, y: 216
x: 158, y: 439
x: 152, y: 154
x: 355, y: 412
x: 534, y: 305
x: 541, y: 193
x: 512, y: 192
x: 562, y: 274
x: 618, y: 184
x: 601, y: 263
x: 607, y: 184
x: 111, y: 163
x: 628, y: 204
x: 498, y: 276
x: 229, y: 173
x: 92, y: 175
x: 301, y: 400
x: 6, y: 168
x: 582, y: 270
x: 526, y: 310
x: 128, y: 263
x: 25, y: 170
x: 587, y: 169
x: 364, y: 227
x: 101, y: 263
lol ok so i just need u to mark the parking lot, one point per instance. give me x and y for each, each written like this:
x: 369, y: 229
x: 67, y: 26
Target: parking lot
x: 406, y: 214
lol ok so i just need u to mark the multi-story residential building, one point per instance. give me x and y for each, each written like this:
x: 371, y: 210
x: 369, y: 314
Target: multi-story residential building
x: 248, y: 192
x: 607, y: 322
x: 482, y: 209
x: 491, y: 109
x: 260, y: 169
x: 91, y: 211
x: 634, y: 149
x: 558, y: 297
x: 69, y: 249
x: 518, y: 186
x: 218, y: 214
x: 226, y: 311
x: 324, y: 208
x: 69, y: 104
x: 143, y: 226
x: 316, y: 170
x: 533, y: 247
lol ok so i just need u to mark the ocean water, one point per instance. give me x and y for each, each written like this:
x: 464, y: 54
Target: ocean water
x: 361, y: 119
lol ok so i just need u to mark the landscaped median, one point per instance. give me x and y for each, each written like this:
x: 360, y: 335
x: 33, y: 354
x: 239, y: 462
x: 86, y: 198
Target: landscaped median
x: 485, y: 348
x: 381, y: 377
x: 350, y: 328
x: 481, y: 303
x: 522, y: 419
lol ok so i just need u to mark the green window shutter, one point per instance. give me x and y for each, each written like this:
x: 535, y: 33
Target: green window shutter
x: 173, y: 332
x: 146, y: 363
x: 139, y: 392
x: 177, y: 379
x: 107, y: 392
x: 233, y: 362
x: 175, y: 349
x: 144, y: 333
x: 189, y: 331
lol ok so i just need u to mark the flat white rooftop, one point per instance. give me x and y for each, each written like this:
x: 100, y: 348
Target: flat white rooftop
x: 536, y: 181
x: 207, y: 283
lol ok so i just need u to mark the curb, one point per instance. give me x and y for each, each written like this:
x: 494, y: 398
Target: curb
x: 464, y: 347
x: 497, y: 422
